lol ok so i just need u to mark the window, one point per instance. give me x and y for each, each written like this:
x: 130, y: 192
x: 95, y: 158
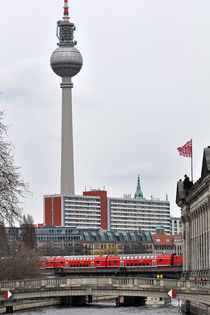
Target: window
x: 127, y: 264
x: 135, y: 264
x: 167, y: 240
x: 157, y: 240
x: 139, y: 264
x: 160, y: 260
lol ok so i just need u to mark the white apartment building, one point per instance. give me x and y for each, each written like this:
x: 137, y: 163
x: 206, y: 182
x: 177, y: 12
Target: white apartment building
x: 176, y: 225
x: 128, y: 214
x: 82, y: 212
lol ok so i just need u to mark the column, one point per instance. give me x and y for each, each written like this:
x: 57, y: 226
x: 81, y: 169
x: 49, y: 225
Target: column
x: 67, y: 159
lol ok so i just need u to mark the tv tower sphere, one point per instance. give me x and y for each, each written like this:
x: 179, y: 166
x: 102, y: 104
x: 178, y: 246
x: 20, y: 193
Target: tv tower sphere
x: 66, y: 61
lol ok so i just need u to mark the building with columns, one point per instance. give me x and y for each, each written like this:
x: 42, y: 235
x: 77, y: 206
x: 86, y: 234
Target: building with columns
x: 194, y: 201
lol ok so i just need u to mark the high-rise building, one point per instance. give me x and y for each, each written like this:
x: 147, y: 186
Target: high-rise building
x: 66, y: 61
x: 130, y: 214
x: 94, y: 210
x: 176, y: 225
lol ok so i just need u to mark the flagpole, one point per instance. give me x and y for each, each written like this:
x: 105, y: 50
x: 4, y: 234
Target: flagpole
x: 191, y: 161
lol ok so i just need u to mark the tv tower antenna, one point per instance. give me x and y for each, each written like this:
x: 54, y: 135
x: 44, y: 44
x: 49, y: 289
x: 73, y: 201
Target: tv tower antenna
x: 66, y: 61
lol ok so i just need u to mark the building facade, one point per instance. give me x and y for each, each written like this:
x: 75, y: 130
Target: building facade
x: 112, y: 242
x: 176, y: 225
x: 83, y: 212
x: 132, y: 214
x: 168, y: 244
x: 194, y: 201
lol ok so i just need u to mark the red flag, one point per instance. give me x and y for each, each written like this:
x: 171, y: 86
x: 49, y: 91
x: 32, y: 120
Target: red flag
x: 186, y: 150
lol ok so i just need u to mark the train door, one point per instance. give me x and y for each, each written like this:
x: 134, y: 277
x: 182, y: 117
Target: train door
x: 66, y: 264
x: 92, y: 264
x: 154, y: 263
x: 121, y: 263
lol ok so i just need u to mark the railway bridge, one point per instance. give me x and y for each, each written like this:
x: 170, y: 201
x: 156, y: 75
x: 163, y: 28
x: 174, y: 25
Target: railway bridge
x: 194, y: 294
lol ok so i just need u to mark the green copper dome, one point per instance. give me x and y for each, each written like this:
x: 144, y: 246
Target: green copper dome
x: 139, y: 193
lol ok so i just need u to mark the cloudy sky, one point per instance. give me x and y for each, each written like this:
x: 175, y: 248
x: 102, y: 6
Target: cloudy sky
x: 144, y: 90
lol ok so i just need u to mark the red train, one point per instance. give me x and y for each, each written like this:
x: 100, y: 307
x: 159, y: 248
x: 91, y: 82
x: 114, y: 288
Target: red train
x: 124, y: 261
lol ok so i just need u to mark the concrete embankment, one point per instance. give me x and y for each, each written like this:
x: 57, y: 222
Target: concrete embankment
x: 32, y: 304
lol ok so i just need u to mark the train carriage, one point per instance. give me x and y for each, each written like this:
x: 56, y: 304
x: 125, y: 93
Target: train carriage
x: 112, y: 262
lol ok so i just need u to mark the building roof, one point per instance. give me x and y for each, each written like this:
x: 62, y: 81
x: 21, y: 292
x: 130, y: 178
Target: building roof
x: 181, y: 192
x: 160, y: 239
x: 100, y: 236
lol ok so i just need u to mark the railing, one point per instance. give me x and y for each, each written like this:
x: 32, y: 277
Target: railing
x: 104, y: 282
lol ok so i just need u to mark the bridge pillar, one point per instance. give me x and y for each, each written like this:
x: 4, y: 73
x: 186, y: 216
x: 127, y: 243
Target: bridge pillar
x: 130, y: 300
x: 90, y: 299
x: 9, y: 309
x: 186, y: 307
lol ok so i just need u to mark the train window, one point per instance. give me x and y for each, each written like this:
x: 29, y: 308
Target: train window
x: 139, y: 257
x: 128, y: 257
x: 74, y: 265
x: 132, y: 257
x: 160, y: 260
x: 147, y: 257
x: 152, y: 257
x: 135, y: 264
x: 144, y: 257
x: 71, y: 265
x: 143, y: 264
x: 121, y: 257
x: 87, y: 266
x: 131, y: 264
x: 136, y: 257
x: 84, y: 265
x: 80, y: 265
x: 115, y: 261
x: 61, y: 262
x: 139, y: 264
x: 97, y: 261
x: 124, y: 257
x: 127, y: 264
x: 147, y: 264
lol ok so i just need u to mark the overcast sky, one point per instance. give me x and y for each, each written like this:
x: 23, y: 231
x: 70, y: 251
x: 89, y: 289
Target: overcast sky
x: 144, y: 90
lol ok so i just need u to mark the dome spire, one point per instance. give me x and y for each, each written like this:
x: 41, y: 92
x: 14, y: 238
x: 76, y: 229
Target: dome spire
x: 139, y: 193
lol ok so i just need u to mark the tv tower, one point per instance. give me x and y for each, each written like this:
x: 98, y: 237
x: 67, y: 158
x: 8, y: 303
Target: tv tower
x: 66, y: 61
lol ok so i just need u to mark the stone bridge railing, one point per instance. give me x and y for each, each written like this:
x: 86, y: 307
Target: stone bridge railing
x: 103, y: 282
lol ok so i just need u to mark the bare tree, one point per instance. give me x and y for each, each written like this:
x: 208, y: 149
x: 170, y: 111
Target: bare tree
x: 28, y: 232
x: 3, y: 241
x: 12, y: 186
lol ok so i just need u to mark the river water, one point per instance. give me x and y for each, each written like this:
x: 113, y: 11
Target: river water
x: 107, y: 308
